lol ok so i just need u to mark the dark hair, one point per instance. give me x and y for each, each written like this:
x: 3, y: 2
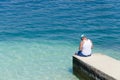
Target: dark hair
x: 82, y: 38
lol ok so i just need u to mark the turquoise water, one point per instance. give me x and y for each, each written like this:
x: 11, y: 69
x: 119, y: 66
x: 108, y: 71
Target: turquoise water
x: 39, y: 37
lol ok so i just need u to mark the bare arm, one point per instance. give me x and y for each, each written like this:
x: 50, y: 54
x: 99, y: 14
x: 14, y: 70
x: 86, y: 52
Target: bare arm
x: 81, y: 46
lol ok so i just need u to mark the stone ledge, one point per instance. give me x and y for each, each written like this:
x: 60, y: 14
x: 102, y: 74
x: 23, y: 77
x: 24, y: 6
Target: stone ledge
x: 96, y: 67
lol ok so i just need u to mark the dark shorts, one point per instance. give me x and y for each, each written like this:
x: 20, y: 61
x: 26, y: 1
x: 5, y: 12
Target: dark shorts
x: 81, y: 54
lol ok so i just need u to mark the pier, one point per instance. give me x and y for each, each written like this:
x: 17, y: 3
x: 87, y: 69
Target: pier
x: 96, y: 67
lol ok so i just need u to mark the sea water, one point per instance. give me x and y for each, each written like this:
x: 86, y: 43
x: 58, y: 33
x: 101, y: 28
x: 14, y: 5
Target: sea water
x: 39, y: 37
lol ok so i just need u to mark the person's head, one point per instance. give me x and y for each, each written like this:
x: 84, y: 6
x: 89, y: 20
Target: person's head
x: 83, y: 37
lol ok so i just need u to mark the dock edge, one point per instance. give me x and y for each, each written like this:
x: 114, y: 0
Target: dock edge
x: 87, y: 72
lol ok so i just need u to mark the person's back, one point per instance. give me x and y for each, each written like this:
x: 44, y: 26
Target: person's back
x: 86, y: 48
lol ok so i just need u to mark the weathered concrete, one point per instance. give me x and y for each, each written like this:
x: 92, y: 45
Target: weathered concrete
x: 96, y: 67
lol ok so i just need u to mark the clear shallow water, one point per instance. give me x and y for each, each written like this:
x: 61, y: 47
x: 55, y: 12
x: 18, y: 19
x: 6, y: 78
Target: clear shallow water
x: 39, y: 37
x: 35, y: 60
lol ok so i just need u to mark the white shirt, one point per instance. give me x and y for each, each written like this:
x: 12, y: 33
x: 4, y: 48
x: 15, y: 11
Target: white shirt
x: 87, y: 47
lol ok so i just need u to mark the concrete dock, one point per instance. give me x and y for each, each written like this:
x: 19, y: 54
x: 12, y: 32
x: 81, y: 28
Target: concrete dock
x: 96, y: 67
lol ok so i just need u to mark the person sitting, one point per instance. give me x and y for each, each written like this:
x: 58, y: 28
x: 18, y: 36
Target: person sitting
x: 85, y: 47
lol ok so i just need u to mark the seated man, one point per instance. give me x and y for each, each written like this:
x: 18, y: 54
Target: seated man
x: 85, y: 47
